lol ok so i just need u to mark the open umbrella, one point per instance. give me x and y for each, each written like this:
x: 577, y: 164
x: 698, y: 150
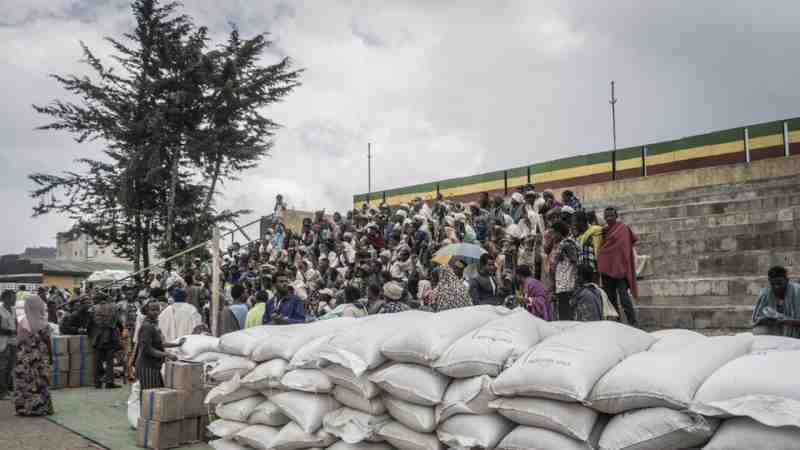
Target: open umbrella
x: 469, y: 253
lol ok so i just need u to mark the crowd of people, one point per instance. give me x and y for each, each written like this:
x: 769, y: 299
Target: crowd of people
x: 530, y: 250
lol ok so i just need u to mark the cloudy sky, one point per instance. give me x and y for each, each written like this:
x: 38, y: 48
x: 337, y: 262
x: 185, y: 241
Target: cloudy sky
x: 441, y: 89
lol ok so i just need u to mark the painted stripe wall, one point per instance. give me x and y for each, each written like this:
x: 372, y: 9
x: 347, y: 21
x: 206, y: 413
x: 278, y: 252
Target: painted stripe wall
x: 735, y: 145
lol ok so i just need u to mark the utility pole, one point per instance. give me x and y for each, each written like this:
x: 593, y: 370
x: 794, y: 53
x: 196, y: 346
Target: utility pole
x: 613, y: 102
x: 369, y: 170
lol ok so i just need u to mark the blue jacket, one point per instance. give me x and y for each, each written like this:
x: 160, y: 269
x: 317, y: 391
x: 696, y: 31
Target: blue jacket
x: 291, y: 307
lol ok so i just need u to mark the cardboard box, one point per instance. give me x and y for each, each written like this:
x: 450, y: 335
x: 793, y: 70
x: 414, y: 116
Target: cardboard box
x: 78, y: 378
x: 192, y: 402
x: 190, y: 430
x: 183, y: 376
x: 158, y: 435
x: 59, y: 345
x: 60, y: 363
x: 82, y: 361
x: 161, y: 405
x: 80, y: 344
x: 58, y: 379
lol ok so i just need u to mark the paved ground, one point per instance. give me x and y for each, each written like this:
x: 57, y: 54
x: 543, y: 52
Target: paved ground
x: 28, y: 433
x: 85, y: 418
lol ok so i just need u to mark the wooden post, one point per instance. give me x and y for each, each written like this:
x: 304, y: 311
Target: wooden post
x: 215, y: 287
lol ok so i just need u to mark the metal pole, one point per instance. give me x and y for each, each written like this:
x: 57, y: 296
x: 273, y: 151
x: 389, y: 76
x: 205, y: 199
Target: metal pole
x: 215, y: 274
x: 785, y: 139
x: 613, y: 133
x: 241, y: 231
x: 747, y: 144
x: 369, y: 170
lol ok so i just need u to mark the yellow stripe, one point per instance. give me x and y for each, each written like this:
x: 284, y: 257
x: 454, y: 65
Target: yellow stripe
x: 574, y: 172
x: 775, y: 140
x: 794, y: 136
x: 625, y: 164
x: 517, y: 181
x: 408, y: 198
x: 473, y: 188
x: 696, y: 152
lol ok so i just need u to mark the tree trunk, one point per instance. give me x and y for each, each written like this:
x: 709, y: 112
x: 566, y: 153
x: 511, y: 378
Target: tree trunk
x: 173, y: 185
x: 214, y: 178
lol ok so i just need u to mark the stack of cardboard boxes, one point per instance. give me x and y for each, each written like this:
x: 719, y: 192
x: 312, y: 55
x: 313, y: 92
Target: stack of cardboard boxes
x: 74, y: 361
x: 174, y: 415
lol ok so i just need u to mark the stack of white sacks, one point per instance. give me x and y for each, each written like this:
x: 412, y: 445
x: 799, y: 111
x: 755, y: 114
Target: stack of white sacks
x: 487, y: 377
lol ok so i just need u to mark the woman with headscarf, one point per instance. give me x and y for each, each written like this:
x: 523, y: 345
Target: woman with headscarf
x: 34, y: 361
x: 393, y: 296
x: 534, y: 294
x: 449, y: 293
x: 150, y: 349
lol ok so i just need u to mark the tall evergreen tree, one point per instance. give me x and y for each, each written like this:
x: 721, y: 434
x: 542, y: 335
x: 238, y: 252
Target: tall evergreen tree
x: 176, y: 123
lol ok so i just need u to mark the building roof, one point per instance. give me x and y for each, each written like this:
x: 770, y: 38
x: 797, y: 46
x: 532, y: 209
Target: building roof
x: 72, y: 267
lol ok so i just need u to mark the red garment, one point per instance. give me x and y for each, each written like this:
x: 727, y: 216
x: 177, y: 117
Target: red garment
x: 615, y: 258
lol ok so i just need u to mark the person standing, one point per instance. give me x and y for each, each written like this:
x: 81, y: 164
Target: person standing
x: 34, y: 361
x: 150, y: 346
x: 782, y: 297
x: 180, y: 318
x: 106, y: 342
x: 565, y: 272
x: 587, y: 303
x: 284, y: 308
x: 534, y: 294
x: 8, y: 342
x: 615, y: 263
x: 484, y: 288
x: 450, y: 292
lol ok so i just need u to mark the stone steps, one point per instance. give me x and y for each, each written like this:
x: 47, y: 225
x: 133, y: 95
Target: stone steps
x: 683, y: 224
x: 729, y: 317
x: 720, y: 192
x: 684, y: 291
x: 699, y: 209
x: 747, y: 263
x: 726, y: 238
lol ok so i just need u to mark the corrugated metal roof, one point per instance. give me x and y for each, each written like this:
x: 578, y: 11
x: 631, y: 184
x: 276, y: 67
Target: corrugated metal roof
x: 71, y: 266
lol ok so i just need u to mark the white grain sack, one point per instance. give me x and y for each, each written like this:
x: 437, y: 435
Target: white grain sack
x: 285, y: 340
x: 656, y: 429
x: 229, y: 366
x: 225, y: 429
x: 419, y: 418
x: 307, y: 380
x: 346, y: 397
x: 267, y: 413
x: 307, y: 410
x: 469, y: 431
x: 358, y: 348
x: 225, y: 444
x: 489, y: 348
x: 530, y: 438
x: 239, y: 410
x: 742, y: 433
x: 466, y: 396
x: 353, y: 426
x: 243, y: 342
x: 342, y: 376
x: 404, y: 438
x: 197, y: 344
x: 341, y: 445
x: 228, y: 391
x: 310, y: 355
x: 259, y: 437
x: 764, y: 343
x: 570, y: 419
x: 762, y: 386
x: 674, y: 339
x: 566, y: 366
x: 266, y: 375
x: 649, y: 379
x: 425, y: 340
x: 293, y: 437
x: 412, y: 383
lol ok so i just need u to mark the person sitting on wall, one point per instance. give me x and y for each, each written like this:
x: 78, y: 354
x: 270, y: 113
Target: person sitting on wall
x: 777, y: 310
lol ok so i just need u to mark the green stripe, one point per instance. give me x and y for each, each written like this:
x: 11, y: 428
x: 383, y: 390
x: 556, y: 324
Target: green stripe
x: 629, y: 153
x: 765, y: 129
x: 720, y: 137
x: 473, y: 179
x: 518, y: 172
x: 793, y: 124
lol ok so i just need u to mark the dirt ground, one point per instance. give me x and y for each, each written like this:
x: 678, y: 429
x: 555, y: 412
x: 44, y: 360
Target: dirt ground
x: 33, y: 433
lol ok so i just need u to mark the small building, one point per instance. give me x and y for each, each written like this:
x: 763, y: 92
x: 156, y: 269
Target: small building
x: 34, y: 272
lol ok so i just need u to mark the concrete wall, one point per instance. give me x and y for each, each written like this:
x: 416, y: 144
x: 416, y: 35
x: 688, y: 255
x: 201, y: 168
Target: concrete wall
x: 605, y: 193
